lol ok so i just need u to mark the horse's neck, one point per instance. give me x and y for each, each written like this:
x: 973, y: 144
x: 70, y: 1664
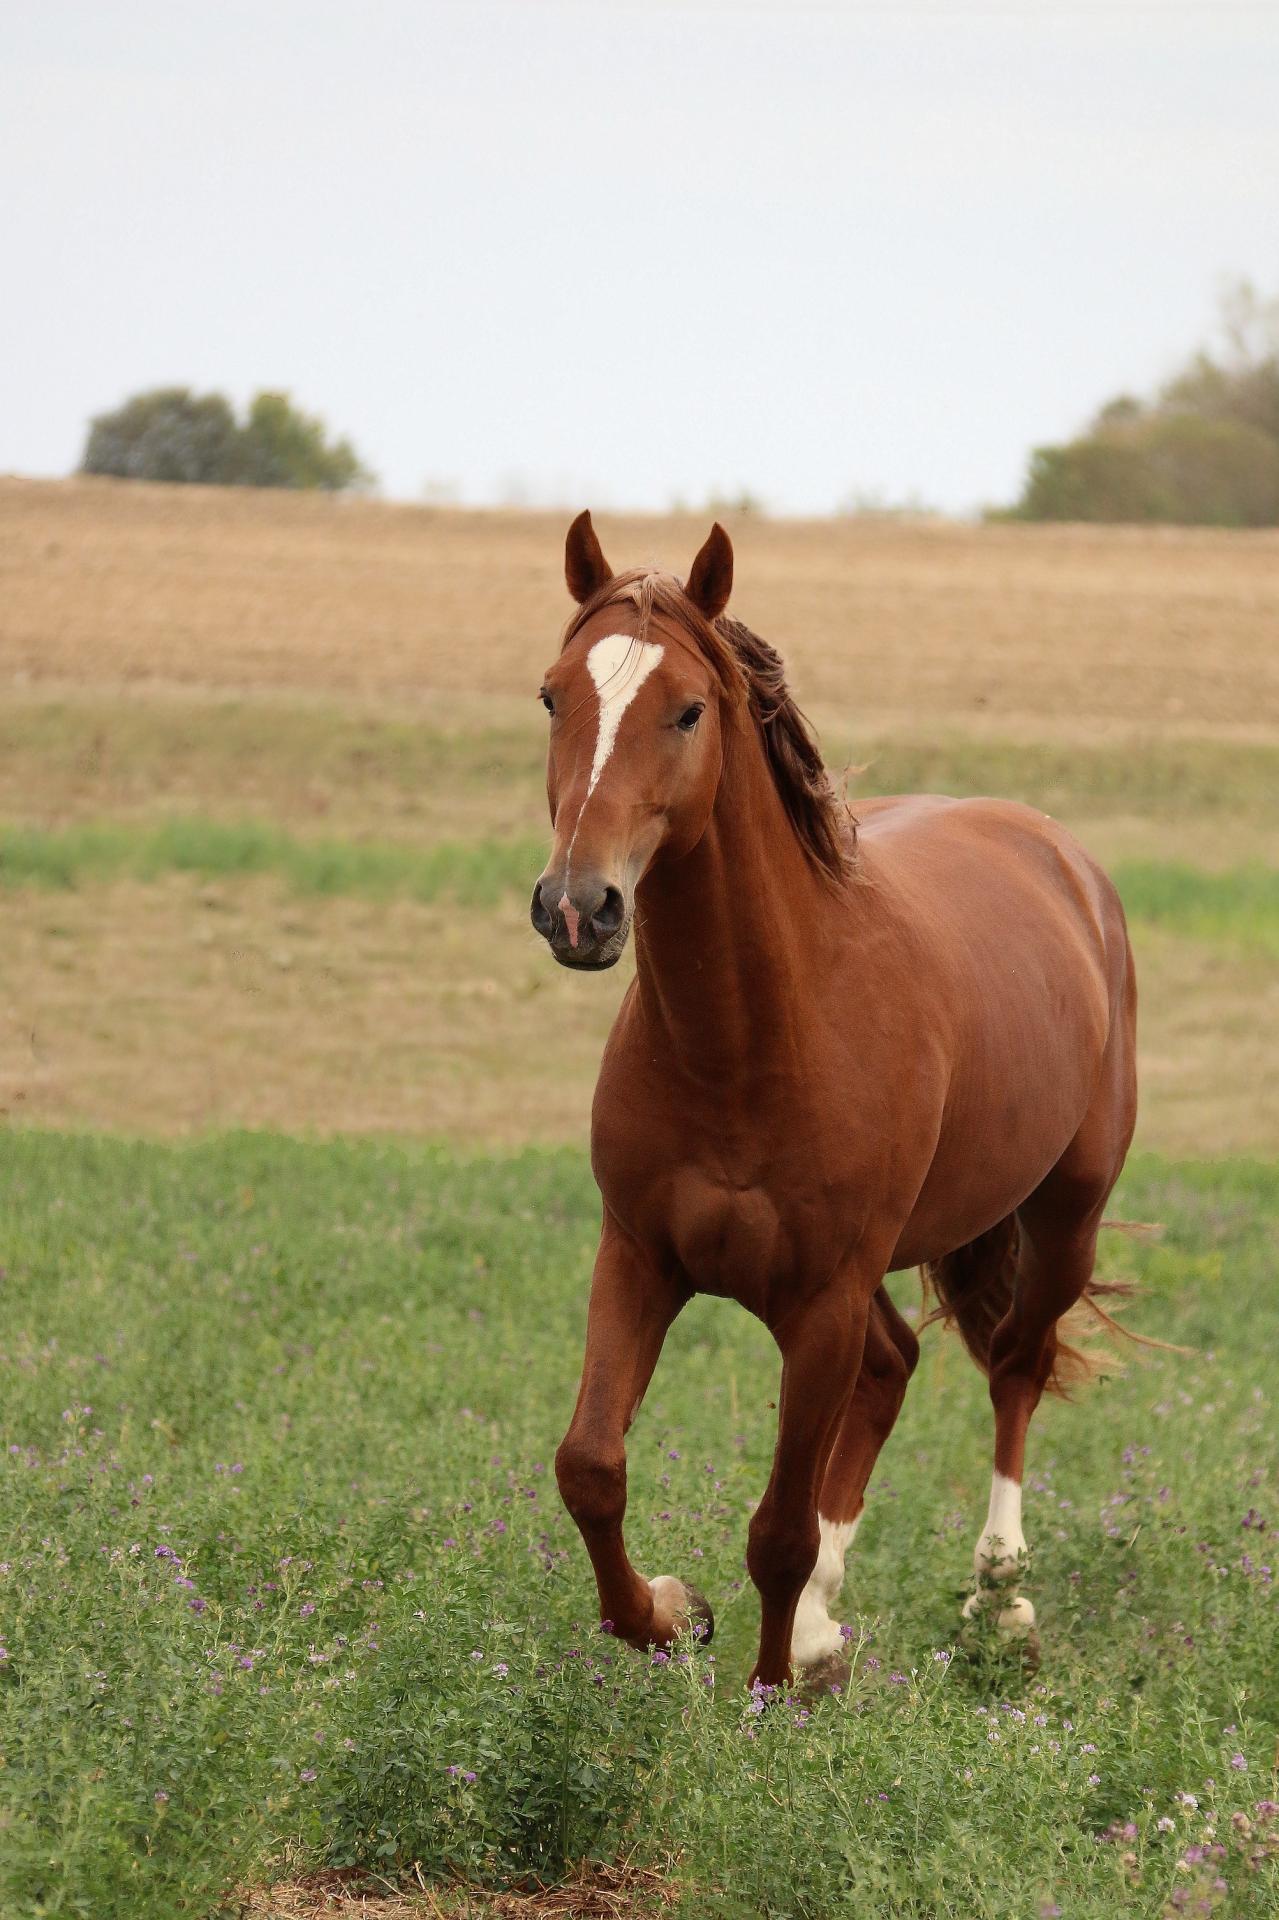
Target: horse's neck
x: 728, y: 936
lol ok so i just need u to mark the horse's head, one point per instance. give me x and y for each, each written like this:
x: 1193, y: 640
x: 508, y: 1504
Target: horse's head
x: 633, y: 766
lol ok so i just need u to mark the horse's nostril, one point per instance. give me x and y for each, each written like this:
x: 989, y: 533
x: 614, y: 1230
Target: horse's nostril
x: 540, y: 914
x: 610, y: 913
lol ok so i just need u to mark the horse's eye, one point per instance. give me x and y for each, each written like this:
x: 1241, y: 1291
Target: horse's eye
x: 690, y: 716
x: 546, y: 700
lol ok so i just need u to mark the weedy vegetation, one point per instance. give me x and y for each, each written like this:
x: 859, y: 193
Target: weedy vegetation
x: 287, y: 1585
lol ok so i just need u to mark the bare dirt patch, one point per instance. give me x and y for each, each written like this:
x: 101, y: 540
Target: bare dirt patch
x: 591, y: 1893
x: 175, y: 1007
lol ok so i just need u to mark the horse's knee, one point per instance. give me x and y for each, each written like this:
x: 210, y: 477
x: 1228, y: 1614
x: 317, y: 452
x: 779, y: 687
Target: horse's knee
x: 592, y: 1483
x: 781, y: 1551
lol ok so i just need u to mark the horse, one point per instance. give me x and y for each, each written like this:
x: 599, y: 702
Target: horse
x: 850, y: 1047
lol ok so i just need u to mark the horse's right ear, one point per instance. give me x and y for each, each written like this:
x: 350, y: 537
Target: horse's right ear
x: 585, y: 567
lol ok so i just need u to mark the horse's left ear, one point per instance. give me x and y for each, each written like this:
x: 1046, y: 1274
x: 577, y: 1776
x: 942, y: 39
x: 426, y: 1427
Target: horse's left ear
x: 710, y: 579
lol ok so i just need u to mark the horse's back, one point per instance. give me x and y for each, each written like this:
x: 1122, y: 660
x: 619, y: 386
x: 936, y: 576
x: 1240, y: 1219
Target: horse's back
x: 963, y: 860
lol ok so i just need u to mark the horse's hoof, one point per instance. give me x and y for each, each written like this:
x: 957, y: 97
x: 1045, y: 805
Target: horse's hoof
x: 697, y: 1616
x: 833, y: 1674
x: 1014, y: 1617
x: 682, y: 1609
x: 1011, y: 1624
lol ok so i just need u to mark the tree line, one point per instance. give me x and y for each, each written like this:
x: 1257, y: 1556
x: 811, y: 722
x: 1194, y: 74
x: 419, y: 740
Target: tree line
x: 1203, y: 451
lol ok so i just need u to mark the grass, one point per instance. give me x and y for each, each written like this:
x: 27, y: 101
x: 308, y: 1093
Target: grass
x: 474, y: 770
x: 284, y: 1566
x: 474, y: 873
x: 1240, y: 905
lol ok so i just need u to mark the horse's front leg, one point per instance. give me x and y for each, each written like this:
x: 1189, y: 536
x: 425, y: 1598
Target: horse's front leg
x: 821, y: 1343
x: 633, y: 1302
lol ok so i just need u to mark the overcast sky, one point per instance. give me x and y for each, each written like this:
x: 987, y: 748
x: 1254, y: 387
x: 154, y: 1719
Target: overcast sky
x: 618, y: 254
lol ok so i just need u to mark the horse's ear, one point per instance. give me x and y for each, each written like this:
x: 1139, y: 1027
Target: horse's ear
x: 585, y: 567
x: 710, y: 579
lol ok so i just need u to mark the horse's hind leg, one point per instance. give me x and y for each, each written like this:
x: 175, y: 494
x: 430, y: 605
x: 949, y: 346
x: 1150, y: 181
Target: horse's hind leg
x: 1054, y: 1265
x: 888, y: 1360
x: 1057, y: 1244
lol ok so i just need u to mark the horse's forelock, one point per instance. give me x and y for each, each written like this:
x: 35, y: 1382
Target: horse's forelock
x: 648, y: 592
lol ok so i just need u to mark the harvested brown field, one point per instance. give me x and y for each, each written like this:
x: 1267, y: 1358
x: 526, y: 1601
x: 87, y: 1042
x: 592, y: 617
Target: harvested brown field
x: 121, y: 585
x: 362, y: 674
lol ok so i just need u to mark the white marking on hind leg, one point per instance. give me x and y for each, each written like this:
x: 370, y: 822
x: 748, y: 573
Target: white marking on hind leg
x: 998, y: 1559
x: 815, y: 1634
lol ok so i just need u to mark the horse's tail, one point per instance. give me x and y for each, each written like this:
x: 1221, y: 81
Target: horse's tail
x: 974, y: 1289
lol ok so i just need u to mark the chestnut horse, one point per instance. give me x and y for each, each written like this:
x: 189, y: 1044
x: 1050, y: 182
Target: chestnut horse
x: 848, y: 1048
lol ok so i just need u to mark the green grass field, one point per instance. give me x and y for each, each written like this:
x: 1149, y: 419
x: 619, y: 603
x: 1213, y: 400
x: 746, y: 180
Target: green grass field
x: 286, y: 1583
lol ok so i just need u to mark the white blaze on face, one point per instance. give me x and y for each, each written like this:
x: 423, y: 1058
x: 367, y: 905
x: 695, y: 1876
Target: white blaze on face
x: 619, y: 664
x: 815, y: 1634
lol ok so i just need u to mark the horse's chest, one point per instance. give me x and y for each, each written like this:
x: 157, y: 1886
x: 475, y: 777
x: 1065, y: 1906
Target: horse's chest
x: 728, y: 1240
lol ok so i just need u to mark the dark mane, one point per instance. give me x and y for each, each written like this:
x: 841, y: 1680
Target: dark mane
x: 749, y: 668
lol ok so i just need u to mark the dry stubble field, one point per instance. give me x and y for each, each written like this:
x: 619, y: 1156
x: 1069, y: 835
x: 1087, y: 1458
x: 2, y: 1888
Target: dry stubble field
x: 358, y: 678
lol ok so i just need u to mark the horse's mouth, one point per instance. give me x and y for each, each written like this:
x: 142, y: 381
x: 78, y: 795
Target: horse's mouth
x: 597, y: 959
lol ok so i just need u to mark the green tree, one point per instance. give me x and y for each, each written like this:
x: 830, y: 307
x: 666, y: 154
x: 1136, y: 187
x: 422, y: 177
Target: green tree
x: 170, y: 434
x: 174, y: 435
x: 1173, y: 467
x: 1204, y: 451
x: 282, y: 447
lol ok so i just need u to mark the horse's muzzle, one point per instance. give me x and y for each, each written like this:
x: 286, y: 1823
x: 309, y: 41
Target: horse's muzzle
x: 586, y: 928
